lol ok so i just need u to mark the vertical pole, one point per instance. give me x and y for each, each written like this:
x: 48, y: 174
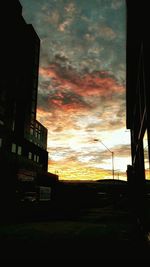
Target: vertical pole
x: 112, y: 165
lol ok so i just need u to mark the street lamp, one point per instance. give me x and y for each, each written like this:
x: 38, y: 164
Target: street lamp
x: 117, y: 170
x: 112, y: 154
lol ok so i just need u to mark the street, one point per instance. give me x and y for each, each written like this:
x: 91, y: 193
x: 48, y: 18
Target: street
x: 80, y: 231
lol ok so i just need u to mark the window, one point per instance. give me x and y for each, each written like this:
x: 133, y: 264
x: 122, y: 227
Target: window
x: 34, y: 157
x: 36, y: 134
x: 14, y: 115
x: 30, y: 155
x: 146, y: 156
x: 13, y: 125
x: 37, y: 159
x: 45, y: 193
x: 13, y: 148
x: 31, y: 131
x: 19, y: 150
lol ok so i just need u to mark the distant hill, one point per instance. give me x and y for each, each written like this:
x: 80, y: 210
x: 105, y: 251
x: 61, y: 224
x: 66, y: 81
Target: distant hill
x: 111, y: 181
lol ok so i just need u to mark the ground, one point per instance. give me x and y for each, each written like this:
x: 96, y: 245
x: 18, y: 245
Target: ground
x: 99, y: 230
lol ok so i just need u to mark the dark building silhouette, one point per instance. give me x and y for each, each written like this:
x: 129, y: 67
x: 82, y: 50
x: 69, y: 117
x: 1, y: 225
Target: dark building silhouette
x: 23, y: 140
x: 138, y: 96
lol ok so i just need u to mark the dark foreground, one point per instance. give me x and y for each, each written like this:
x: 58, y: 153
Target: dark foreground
x: 96, y: 228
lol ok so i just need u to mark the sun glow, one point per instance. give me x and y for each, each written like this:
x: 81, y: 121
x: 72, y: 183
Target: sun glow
x: 77, y: 171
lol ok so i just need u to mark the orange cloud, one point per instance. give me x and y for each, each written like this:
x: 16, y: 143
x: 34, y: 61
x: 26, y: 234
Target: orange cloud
x: 76, y: 171
x: 47, y: 72
x: 93, y: 84
x: 69, y: 106
x: 71, y: 170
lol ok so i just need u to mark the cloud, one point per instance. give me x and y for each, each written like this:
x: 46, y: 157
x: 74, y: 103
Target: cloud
x: 89, y: 99
x: 60, y: 58
x: 94, y: 101
x: 73, y: 170
x: 80, y: 30
x: 81, y: 93
x: 107, y: 33
x: 65, y: 25
x: 98, y: 83
x: 53, y: 17
x: 123, y: 150
x: 67, y: 101
x: 116, y: 4
x: 104, y: 32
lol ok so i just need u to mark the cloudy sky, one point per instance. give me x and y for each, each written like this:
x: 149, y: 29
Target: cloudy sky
x: 81, y: 93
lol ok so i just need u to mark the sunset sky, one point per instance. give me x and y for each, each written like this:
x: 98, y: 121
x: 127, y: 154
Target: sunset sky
x: 81, y: 93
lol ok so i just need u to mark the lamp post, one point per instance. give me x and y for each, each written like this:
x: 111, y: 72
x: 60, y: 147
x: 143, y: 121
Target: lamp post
x: 112, y: 155
x: 117, y: 170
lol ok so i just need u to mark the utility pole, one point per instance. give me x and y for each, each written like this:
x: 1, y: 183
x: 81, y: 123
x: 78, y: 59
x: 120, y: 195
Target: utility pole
x: 112, y: 155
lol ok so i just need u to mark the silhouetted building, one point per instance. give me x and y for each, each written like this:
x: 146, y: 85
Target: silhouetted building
x: 23, y: 140
x: 138, y: 94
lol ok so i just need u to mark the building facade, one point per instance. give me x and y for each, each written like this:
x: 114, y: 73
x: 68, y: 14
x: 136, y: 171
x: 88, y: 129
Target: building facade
x: 138, y: 98
x: 23, y: 140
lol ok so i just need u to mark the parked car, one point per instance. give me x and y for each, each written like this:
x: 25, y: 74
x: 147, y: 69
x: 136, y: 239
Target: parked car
x: 29, y: 197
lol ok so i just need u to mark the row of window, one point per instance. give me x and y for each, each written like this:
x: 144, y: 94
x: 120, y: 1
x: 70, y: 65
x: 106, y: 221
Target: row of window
x: 34, y: 157
x: 18, y: 150
x: 35, y: 132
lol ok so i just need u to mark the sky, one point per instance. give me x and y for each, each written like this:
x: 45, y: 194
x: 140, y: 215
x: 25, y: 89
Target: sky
x: 81, y: 88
